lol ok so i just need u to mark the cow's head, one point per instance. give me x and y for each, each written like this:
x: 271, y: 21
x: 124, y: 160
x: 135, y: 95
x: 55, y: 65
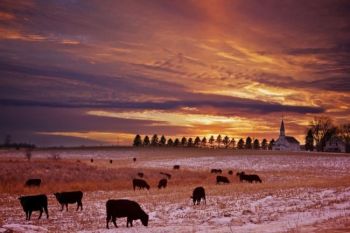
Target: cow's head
x: 144, y: 219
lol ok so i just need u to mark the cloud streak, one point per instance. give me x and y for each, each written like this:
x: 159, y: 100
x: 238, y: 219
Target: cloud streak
x: 225, y: 59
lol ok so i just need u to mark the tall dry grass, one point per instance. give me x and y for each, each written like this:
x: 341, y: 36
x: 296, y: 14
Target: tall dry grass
x: 101, y: 175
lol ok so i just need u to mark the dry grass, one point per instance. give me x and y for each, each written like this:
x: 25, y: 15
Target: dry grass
x: 101, y: 181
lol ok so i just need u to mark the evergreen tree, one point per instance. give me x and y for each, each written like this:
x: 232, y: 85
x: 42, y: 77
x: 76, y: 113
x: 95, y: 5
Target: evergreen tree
x: 137, y: 140
x: 248, y: 143
x: 204, y: 142
x: 309, y: 141
x: 219, y: 140
x: 240, y: 144
x: 226, y: 141
x: 264, y: 144
x: 154, y: 141
x: 146, y: 141
x: 183, y: 141
x: 272, y: 142
x: 256, y: 144
x: 190, y: 142
x: 233, y: 143
x: 176, y: 142
x: 197, y: 141
x: 211, y: 141
x: 170, y: 142
x: 162, y: 141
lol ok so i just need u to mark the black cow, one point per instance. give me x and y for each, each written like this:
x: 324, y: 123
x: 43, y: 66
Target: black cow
x: 197, y: 195
x: 34, y: 203
x: 65, y: 198
x: 125, y: 208
x: 166, y: 174
x: 33, y: 183
x: 140, y: 174
x: 91, y: 160
x: 141, y: 184
x: 222, y: 180
x: 134, y: 159
x: 249, y: 178
x: 216, y: 171
x: 110, y: 161
x: 230, y: 172
x: 162, y: 183
x: 176, y: 167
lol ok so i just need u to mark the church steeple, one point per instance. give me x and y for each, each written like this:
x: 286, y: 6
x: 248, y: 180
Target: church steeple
x: 282, y: 131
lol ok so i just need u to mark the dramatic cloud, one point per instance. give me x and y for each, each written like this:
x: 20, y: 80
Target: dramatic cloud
x: 100, y: 70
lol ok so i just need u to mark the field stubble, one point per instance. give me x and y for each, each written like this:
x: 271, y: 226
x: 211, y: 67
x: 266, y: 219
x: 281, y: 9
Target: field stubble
x: 283, y: 202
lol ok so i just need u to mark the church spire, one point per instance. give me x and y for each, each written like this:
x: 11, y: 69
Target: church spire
x: 282, y: 131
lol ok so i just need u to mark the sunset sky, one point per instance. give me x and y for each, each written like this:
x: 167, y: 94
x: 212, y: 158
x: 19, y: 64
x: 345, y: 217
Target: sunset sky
x: 98, y: 72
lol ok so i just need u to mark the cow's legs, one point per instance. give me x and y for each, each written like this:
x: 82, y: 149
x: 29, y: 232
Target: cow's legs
x: 128, y: 222
x: 67, y: 206
x: 46, y: 211
x: 62, y: 207
x: 114, y: 221
x: 41, y: 213
x: 107, y: 220
x: 79, y: 204
x: 29, y: 214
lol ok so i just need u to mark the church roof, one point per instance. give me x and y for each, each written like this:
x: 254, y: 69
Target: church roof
x: 291, y: 139
x: 282, y: 127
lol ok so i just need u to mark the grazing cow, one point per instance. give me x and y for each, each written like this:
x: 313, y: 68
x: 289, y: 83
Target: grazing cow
x: 222, y: 180
x: 230, y: 172
x: 66, y: 198
x: 141, y: 184
x: 176, y: 167
x: 125, y: 208
x: 110, y: 161
x: 34, y: 203
x: 216, y: 171
x: 249, y: 178
x: 197, y: 195
x: 140, y: 174
x: 33, y: 183
x: 162, y: 183
x: 91, y: 160
x: 134, y: 159
x: 166, y: 174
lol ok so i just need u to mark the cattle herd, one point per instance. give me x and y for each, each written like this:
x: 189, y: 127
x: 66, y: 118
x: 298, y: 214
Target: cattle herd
x: 121, y: 207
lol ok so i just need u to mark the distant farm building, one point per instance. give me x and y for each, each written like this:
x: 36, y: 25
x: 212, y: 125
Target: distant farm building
x: 285, y: 143
x: 335, y: 144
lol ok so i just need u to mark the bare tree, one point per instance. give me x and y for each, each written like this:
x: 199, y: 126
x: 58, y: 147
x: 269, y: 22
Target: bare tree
x: 320, y: 126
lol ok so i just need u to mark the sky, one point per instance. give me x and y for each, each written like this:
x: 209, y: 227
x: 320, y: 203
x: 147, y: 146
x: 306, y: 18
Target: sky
x: 98, y: 72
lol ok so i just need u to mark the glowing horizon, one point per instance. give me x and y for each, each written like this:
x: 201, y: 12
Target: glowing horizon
x: 77, y: 72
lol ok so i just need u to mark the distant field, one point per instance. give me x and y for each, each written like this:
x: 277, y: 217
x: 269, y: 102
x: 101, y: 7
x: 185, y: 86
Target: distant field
x: 301, y: 192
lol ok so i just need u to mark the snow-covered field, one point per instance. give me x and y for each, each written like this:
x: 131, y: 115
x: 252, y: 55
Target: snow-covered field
x: 299, y: 193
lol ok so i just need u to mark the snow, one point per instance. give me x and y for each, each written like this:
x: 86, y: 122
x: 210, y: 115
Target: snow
x: 262, y: 211
x: 23, y: 228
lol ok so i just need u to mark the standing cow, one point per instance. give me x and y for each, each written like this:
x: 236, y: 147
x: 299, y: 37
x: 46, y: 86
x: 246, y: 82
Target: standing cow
x: 162, y: 183
x: 66, y: 198
x: 34, y: 203
x: 33, y: 183
x: 198, y: 194
x: 141, y: 184
x: 222, y: 180
x: 125, y: 208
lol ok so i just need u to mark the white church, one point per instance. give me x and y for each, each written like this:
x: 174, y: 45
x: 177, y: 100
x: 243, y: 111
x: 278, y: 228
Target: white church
x: 285, y: 143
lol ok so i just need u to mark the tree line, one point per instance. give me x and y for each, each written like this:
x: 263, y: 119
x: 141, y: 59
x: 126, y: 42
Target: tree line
x: 322, y: 129
x: 212, y: 142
